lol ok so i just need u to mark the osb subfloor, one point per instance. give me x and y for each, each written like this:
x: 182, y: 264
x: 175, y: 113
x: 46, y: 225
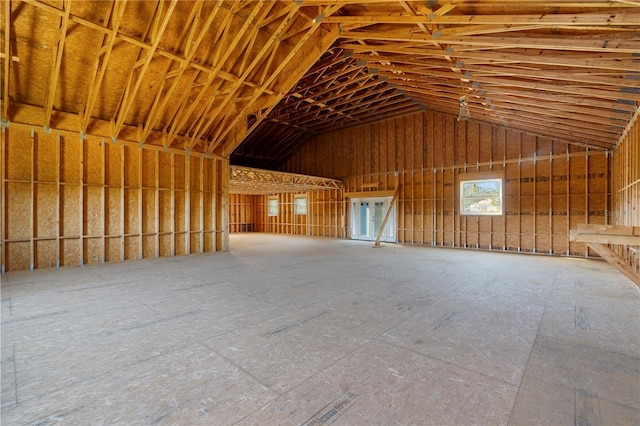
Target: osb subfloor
x: 288, y: 330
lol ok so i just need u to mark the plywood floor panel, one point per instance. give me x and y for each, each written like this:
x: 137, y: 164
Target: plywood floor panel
x: 293, y: 330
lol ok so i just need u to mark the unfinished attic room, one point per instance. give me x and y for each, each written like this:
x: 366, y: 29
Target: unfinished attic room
x: 309, y: 212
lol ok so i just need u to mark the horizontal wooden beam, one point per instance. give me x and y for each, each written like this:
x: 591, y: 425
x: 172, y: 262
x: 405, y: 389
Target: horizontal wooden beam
x: 606, y: 234
x: 612, y: 257
x: 370, y: 194
x: 621, y: 18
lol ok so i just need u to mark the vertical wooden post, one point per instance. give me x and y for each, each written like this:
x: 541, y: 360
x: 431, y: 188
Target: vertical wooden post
x: 608, y: 190
x: 157, y: 201
x: 201, y: 212
x: 550, y: 189
x: 173, y: 204
x: 81, y: 200
x: 58, y: 199
x: 140, y: 202
x: 123, y: 170
x: 4, y: 139
x: 224, y: 211
x: 422, y: 203
x: 535, y: 204
x: 519, y: 192
x: 434, y: 235
x: 32, y: 201
x: 103, y: 224
x: 214, y: 203
x: 568, y: 201
x: 504, y: 168
x: 187, y: 201
x: 586, y: 195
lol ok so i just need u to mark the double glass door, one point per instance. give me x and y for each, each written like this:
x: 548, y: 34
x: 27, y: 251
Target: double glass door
x: 367, y: 215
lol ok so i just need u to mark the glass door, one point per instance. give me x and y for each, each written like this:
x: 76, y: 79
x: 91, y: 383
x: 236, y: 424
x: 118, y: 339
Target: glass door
x: 367, y: 215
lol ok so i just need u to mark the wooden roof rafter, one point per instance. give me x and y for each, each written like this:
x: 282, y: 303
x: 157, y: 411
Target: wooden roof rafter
x: 225, y: 49
x: 136, y: 76
x: 280, y: 77
x: 99, y: 68
x: 191, y: 44
x: 57, y: 62
x: 6, y: 61
x: 257, y: 60
x: 220, y: 68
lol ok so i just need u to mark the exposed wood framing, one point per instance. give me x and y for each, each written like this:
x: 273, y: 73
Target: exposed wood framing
x: 245, y: 180
x: 56, y: 61
x: 101, y: 62
x: 6, y: 60
x: 607, y: 234
x: 387, y: 215
x: 136, y: 77
x: 215, y: 75
x: 613, y: 258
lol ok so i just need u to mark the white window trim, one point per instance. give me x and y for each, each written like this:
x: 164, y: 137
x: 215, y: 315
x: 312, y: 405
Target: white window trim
x: 277, y: 207
x: 295, y: 205
x: 481, y: 213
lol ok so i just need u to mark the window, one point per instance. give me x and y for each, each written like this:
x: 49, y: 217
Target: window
x: 481, y: 197
x: 300, y: 205
x: 273, y: 207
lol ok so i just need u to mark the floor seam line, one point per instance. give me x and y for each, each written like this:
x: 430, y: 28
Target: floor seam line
x: 445, y: 361
x: 533, y: 345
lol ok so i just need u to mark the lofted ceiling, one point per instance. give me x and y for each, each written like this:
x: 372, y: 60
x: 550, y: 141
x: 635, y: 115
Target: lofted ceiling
x: 256, y: 79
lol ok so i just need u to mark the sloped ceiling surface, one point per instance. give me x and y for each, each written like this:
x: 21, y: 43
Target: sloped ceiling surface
x: 259, y: 78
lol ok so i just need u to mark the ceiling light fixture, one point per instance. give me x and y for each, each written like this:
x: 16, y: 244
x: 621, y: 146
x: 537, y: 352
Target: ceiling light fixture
x: 464, y: 109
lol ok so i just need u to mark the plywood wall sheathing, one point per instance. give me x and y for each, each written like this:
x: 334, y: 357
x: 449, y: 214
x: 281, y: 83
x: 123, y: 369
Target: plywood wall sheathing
x: 549, y: 186
x: 69, y: 200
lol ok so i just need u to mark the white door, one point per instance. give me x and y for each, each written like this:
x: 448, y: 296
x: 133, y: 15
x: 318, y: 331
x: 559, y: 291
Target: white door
x: 367, y: 215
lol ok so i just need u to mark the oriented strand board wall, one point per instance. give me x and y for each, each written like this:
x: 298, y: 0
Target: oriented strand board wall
x: 324, y: 217
x: 626, y: 188
x: 550, y: 187
x: 69, y: 201
x: 242, y: 212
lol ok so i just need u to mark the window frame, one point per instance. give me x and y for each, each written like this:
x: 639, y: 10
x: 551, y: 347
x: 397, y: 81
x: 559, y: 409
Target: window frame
x: 296, y: 206
x: 271, y: 201
x: 473, y: 178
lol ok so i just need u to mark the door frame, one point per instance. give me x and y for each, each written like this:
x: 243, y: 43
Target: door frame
x: 390, y: 234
